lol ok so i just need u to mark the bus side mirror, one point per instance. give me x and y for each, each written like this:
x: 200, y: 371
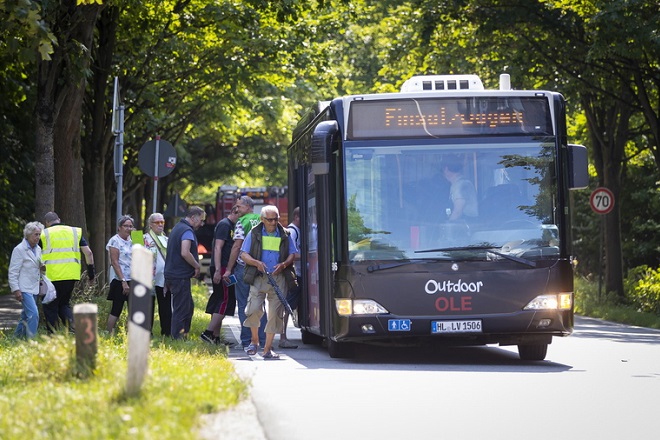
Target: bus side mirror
x: 578, y: 164
x: 322, y: 139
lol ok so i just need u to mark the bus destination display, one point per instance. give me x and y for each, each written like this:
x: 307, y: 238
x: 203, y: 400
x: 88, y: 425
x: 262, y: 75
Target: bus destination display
x: 436, y: 117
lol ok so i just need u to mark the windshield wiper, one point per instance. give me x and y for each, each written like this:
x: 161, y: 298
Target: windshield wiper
x: 482, y: 248
x: 377, y: 267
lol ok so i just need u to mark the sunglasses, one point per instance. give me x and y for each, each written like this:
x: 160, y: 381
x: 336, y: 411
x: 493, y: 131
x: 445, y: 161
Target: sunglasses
x: 270, y: 220
x: 158, y: 222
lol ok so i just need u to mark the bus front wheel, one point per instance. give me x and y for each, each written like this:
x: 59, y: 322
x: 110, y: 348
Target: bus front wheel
x: 532, y: 352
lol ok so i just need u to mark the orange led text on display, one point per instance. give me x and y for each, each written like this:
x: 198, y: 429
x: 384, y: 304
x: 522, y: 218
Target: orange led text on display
x: 398, y: 117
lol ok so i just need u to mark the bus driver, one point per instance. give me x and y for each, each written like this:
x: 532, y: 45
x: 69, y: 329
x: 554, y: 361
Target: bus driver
x: 462, y: 193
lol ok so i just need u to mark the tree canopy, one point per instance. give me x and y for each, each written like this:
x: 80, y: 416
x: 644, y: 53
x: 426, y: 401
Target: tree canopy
x: 225, y: 81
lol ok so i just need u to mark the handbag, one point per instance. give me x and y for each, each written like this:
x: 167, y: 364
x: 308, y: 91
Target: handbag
x: 47, y: 290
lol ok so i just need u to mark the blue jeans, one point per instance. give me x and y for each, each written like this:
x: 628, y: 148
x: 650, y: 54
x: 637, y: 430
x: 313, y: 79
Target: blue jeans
x: 242, y: 294
x: 183, y: 307
x: 29, y: 320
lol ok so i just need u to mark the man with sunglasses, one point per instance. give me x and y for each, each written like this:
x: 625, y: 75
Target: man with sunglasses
x: 267, y: 249
x: 247, y: 219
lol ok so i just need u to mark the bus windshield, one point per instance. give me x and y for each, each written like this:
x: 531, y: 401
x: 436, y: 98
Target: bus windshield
x: 452, y: 201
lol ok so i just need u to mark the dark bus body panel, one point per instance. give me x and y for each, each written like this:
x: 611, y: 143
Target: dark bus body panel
x: 491, y: 294
x: 500, y: 329
x: 436, y: 286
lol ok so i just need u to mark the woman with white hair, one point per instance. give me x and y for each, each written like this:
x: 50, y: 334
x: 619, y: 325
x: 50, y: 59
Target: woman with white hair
x: 24, y: 275
x: 156, y: 241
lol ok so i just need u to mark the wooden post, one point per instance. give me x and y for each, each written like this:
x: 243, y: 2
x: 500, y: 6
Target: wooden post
x: 85, y: 318
x: 139, y: 317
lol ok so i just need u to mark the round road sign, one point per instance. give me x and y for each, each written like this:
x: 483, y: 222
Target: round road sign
x: 601, y: 200
x: 166, y: 158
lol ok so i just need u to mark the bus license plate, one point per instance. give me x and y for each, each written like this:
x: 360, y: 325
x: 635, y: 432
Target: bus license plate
x: 470, y: 326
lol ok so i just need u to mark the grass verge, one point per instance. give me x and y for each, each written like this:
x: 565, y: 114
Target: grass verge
x: 589, y: 302
x: 41, y: 397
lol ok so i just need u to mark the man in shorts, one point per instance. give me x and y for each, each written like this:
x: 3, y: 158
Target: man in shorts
x: 222, y: 301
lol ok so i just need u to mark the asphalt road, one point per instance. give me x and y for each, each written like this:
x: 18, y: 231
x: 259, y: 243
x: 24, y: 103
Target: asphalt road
x: 603, y: 382
x: 10, y: 311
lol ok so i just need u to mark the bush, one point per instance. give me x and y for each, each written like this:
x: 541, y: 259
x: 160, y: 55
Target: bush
x: 607, y: 305
x: 642, y: 288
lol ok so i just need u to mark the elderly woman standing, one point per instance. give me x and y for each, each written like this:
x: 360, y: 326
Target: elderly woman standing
x: 24, y: 275
x: 156, y: 241
x: 120, y: 248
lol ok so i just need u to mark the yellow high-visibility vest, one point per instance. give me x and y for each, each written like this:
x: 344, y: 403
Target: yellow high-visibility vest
x: 61, y: 252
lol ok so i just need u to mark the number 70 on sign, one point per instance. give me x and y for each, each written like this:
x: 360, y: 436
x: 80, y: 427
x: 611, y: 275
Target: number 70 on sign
x: 601, y: 200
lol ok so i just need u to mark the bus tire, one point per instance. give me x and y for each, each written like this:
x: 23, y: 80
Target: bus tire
x: 310, y: 338
x: 340, y: 350
x: 532, y: 352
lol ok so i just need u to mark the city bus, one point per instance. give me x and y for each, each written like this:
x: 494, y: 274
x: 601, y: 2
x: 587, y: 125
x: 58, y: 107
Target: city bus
x: 439, y: 215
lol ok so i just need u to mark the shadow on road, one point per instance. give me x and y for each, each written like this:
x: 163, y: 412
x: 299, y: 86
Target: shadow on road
x: 596, y: 328
x: 438, y: 358
x: 368, y: 357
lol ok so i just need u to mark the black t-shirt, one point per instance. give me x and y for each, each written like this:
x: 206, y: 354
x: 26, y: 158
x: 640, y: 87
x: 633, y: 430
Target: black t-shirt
x: 224, y: 230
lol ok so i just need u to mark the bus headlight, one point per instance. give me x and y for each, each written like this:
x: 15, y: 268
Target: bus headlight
x: 346, y: 307
x: 560, y: 301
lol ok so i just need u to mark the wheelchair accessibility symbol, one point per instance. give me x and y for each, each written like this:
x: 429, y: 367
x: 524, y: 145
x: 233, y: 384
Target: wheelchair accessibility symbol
x: 398, y: 325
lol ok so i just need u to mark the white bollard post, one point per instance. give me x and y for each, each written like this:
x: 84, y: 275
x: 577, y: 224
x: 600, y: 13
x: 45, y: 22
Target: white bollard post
x: 139, y: 318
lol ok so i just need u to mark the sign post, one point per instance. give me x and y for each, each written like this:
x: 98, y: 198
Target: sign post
x: 157, y: 158
x: 118, y: 131
x: 601, y: 202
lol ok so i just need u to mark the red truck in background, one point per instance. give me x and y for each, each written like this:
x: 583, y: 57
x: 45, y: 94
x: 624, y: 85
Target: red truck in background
x: 225, y: 199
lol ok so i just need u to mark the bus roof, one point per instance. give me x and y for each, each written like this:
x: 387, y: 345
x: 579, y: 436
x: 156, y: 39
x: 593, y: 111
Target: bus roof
x: 442, y: 82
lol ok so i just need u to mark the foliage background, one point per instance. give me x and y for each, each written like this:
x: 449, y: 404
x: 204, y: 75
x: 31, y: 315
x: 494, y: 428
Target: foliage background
x: 225, y: 82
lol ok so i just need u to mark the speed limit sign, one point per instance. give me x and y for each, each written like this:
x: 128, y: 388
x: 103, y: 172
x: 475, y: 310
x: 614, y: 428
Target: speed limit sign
x: 601, y: 200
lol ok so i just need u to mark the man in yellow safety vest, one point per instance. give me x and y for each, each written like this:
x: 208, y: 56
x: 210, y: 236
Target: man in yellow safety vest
x: 62, y: 246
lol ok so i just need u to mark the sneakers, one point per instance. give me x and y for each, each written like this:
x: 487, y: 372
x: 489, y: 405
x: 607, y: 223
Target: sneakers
x: 207, y: 337
x: 285, y: 343
x: 219, y: 341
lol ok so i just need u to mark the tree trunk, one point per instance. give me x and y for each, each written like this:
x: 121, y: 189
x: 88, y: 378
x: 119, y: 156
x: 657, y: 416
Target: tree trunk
x: 99, y: 142
x: 608, y: 127
x: 69, y: 197
x: 43, y: 164
x: 613, y: 249
x: 61, y: 86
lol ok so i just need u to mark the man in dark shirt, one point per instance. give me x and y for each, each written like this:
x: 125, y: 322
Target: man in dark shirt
x: 222, y: 301
x: 182, y: 264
